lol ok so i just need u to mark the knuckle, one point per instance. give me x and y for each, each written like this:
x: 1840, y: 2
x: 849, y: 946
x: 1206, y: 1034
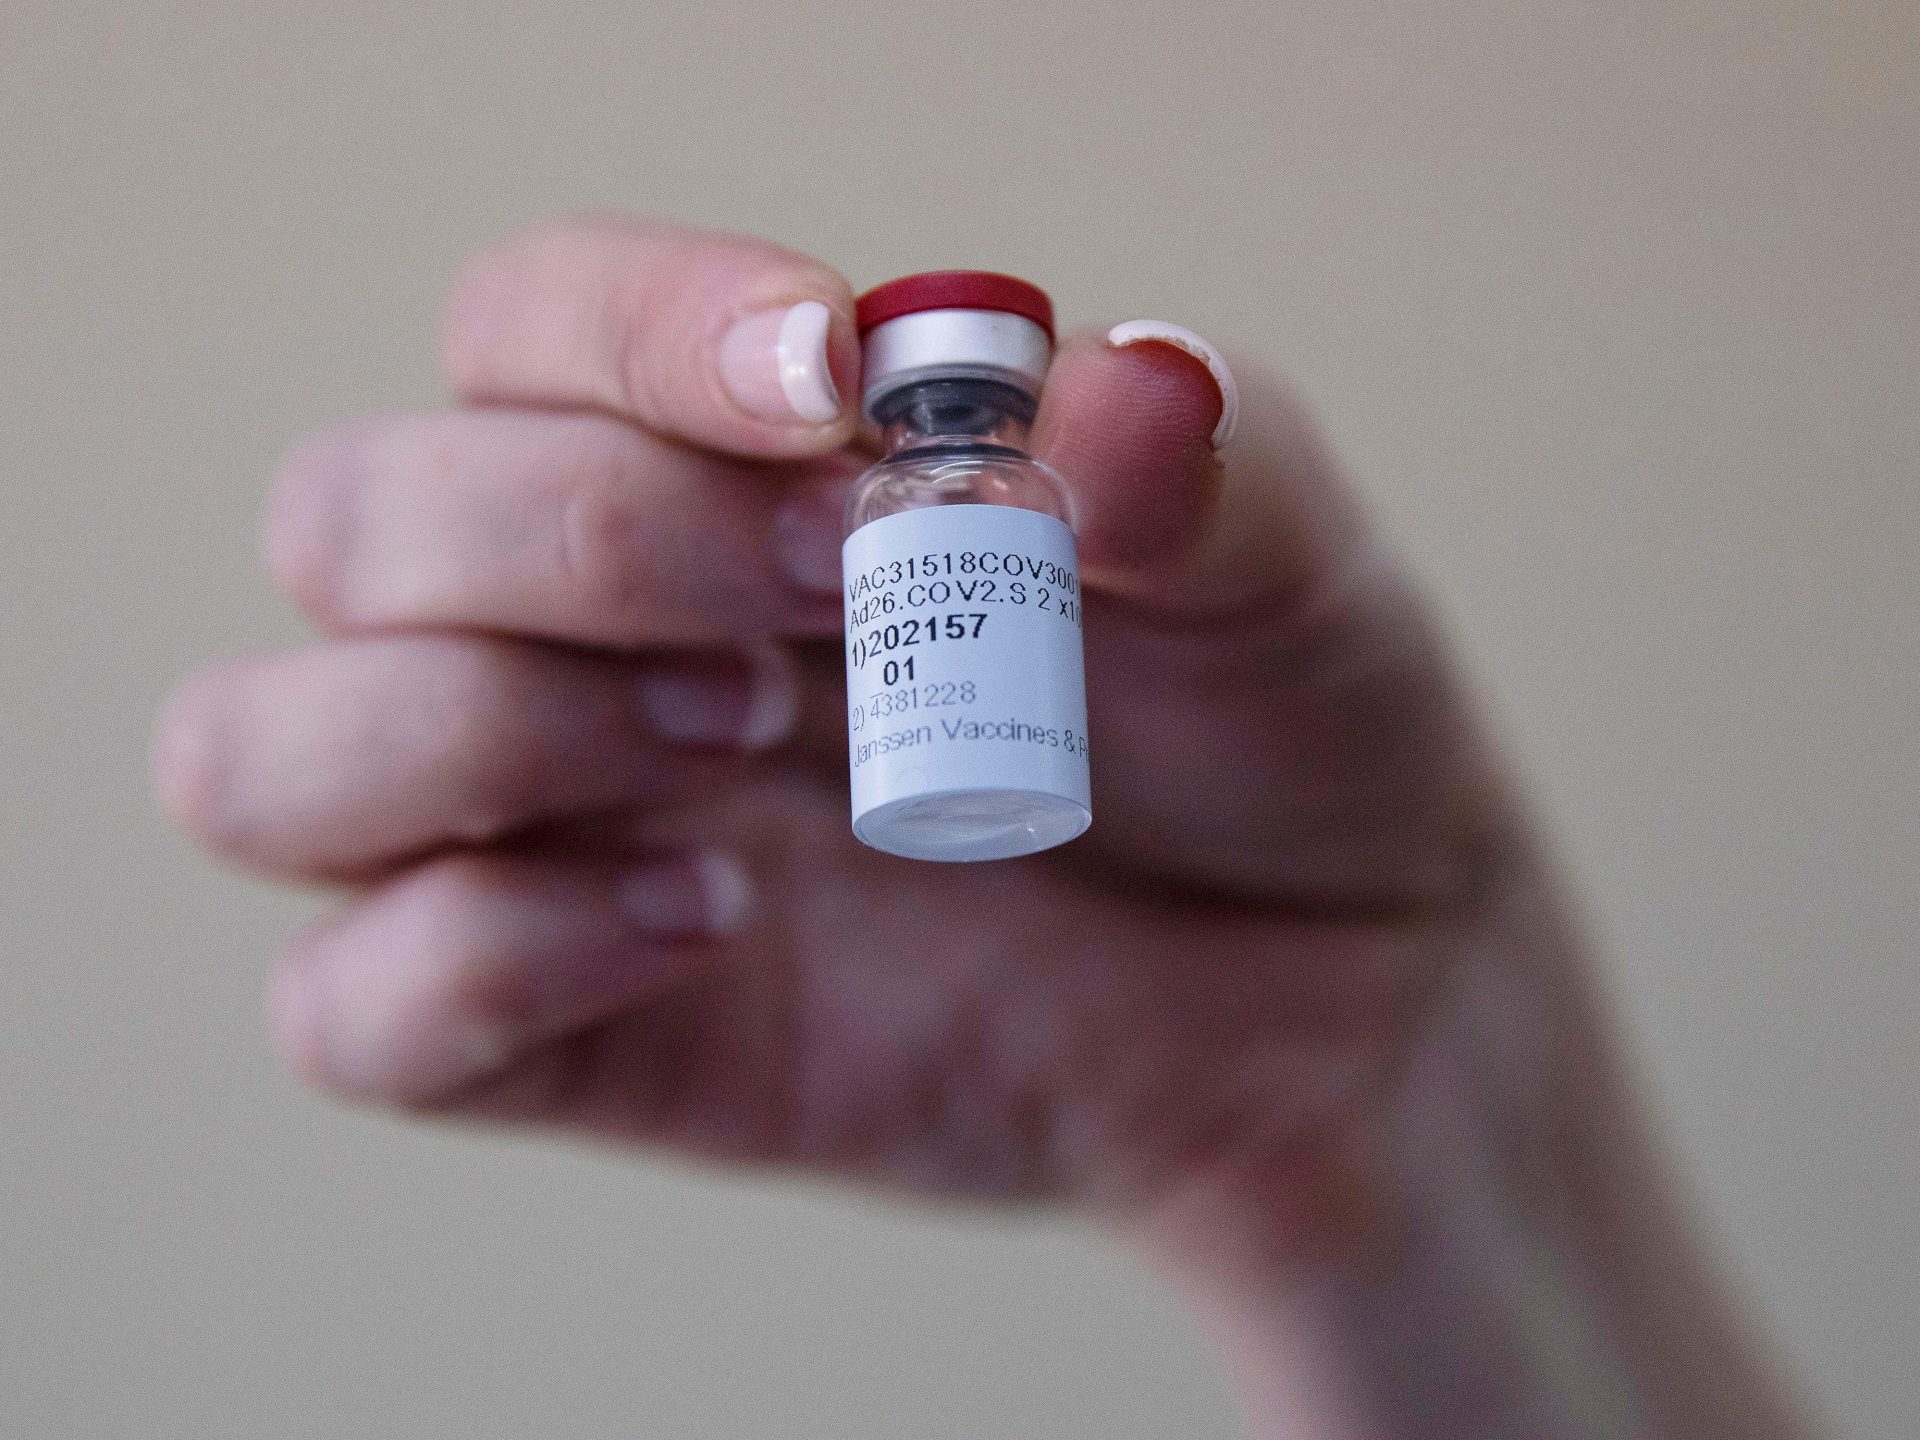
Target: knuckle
x: 600, y: 548
x: 473, y: 699
x: 656, y: 368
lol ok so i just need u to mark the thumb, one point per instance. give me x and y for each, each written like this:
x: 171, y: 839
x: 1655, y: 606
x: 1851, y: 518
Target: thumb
x: 1196, y: 491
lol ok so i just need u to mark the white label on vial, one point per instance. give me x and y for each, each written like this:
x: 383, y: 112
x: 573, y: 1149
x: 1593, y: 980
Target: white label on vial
x: 964, y: 668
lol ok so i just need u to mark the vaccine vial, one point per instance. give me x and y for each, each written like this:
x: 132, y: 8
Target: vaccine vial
x: 966, y: 689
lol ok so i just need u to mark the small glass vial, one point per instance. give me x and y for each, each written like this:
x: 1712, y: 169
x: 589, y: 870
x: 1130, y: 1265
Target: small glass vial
x: 966, y: 689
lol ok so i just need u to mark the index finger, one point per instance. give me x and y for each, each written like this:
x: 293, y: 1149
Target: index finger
x: 724, y: 341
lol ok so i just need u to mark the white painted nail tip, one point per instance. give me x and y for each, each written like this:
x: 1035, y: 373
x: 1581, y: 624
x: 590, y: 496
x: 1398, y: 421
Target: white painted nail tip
x: 806, y: 379
x: 728, y: 891
x: 1134, y: 332
x: 776, y: 698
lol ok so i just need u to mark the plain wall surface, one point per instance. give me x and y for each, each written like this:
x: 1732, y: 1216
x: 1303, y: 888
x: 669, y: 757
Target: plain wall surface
x: 1612, y: 309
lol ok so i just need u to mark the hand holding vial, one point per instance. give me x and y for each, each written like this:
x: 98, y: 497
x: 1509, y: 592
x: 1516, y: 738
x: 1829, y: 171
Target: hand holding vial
x: 1298, y: 1016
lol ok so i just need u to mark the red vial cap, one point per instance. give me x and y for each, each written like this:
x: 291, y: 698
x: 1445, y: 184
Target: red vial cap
x: 953, y: 290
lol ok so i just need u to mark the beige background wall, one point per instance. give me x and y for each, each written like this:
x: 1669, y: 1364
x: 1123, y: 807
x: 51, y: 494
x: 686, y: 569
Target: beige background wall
x: 1613, y: 307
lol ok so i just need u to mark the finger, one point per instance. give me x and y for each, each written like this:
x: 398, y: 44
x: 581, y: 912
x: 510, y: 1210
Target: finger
x: 449, y: 973
x: 342, y: 758
x: 1283, y: 721
x: 725, y: 341
x: 1195, y: 491
x: 1043, y: 1042
x: 569, y: 527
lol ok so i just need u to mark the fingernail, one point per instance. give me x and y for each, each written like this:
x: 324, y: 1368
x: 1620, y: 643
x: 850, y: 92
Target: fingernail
x: 1136, y: 332
x: 807, y: 534
x: 751, y: 703
x: 775, y: 364
x: 708, y: 893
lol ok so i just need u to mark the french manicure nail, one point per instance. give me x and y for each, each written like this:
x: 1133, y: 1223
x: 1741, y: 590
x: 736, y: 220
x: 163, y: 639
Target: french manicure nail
x: 775, y: 364
x: 807, y: 534
x: 751, y: 705
x: 1135, y: 332
x: 708, y: 893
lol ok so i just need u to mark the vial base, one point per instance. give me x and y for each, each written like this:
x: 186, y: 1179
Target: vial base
x: 972, y: 824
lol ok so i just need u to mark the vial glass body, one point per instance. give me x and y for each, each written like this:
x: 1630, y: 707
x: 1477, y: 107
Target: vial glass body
x: 965, y: 683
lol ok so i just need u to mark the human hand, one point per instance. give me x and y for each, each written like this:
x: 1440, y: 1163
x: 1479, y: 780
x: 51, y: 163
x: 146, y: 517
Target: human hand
x: 573, y: 740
